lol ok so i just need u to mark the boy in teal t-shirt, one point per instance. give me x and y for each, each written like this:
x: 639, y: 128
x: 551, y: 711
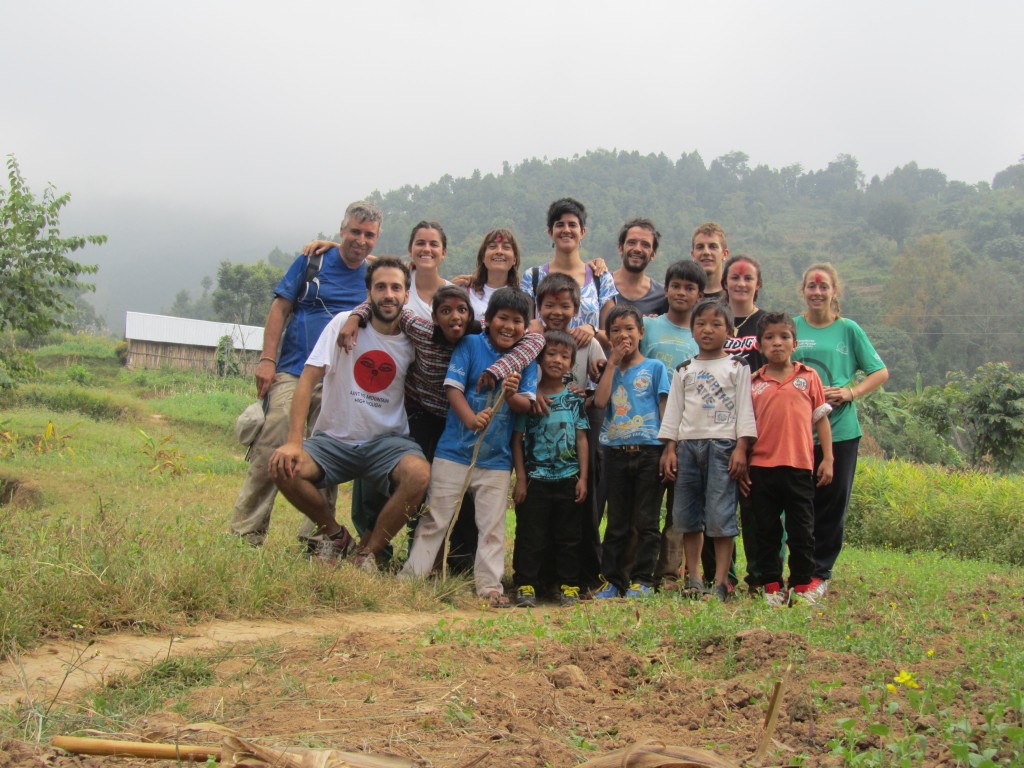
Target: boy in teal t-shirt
x: 551, y: 460
x: 668, y: 337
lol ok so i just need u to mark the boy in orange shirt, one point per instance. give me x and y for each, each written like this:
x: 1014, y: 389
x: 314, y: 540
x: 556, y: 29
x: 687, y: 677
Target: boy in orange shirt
x: 788, y: 398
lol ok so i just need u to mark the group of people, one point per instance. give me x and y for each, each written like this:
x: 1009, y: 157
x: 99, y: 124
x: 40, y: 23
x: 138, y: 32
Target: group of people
x: 606, y: 393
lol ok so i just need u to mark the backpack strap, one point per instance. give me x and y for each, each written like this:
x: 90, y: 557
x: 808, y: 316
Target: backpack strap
x: 314, y: 264
x: 535, y: 274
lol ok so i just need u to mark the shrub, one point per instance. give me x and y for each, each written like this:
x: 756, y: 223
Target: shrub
x: 912, y: 507
x: 65, y: 399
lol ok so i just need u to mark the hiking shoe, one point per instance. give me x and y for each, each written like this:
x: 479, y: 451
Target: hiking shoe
x: 775, y: 595
x: 366, y: 561
x: 526, y: 597
x: 694, y: 589
x: 336, y: 547
x: 805, y: 593
x: 818, y: 586
x: 639, y: 590
x: 721, y: 592
x: 570, y: 596
x: 606, y: 591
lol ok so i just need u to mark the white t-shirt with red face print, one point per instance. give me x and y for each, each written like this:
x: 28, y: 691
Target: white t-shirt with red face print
x: 364, y: 390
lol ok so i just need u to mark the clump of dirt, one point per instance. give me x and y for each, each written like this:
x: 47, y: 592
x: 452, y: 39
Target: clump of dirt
x: 18, y: 494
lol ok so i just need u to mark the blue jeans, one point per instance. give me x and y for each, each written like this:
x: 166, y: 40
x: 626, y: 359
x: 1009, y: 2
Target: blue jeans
x: 705, y: 494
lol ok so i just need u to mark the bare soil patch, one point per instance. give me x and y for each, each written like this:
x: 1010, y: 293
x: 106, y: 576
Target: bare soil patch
x: 386, y: 684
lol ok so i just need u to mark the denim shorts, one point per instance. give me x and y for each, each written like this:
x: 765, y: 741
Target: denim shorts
x: 372, y: 461
x: 705, y: 495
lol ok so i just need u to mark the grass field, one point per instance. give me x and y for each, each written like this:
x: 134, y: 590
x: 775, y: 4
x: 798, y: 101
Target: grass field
x: 116, y: 486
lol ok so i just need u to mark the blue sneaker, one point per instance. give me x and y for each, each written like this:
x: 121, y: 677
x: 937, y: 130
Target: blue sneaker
x: 639, y: 590
x: 606, y: 591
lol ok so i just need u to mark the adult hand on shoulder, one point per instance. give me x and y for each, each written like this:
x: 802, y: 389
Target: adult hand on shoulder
x: 316, y: 247
x: 598, y: 266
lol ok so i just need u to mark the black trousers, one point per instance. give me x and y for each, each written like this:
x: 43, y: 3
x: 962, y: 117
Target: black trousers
x: 548, y: 523
x: 774, y: 490
x: 831, y: 503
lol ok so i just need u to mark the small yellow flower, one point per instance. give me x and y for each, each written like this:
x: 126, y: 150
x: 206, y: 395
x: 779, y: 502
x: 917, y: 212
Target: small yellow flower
x: 891, y: 687
x: 931, y: 652
x: 905, y: 678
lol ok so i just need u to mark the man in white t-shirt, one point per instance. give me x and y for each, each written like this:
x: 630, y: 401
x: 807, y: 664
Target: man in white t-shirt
x: 362, y: 430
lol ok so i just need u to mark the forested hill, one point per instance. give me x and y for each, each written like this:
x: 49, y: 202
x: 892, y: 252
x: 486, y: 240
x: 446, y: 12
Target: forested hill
x: 932, y: 267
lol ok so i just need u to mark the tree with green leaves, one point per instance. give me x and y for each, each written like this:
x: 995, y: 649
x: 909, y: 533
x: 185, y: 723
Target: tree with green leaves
x: 244, y: 292
x: 38, y: 280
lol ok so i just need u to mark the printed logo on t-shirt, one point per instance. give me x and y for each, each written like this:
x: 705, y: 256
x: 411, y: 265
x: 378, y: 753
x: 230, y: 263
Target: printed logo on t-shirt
x: 800, y: 383
x: 758, y: 387
x: 740, y: 345
x: 842, y: 348
x: 642, y: 382
x: 375, y: 370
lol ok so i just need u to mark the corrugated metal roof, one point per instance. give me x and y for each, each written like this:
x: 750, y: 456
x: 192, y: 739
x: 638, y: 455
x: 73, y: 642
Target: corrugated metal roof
x: 182, y: 330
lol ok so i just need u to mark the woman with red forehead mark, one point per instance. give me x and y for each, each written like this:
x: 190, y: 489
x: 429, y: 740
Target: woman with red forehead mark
x: 838, y: 349
x: 741, y: 283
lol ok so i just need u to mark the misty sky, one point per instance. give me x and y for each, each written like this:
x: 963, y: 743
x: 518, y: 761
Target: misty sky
x: 191, y: 132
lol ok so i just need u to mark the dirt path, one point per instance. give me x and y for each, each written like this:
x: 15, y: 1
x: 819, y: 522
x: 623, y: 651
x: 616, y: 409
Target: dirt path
x: 36, y: 676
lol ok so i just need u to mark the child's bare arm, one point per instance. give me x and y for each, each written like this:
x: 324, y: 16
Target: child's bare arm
x: 738, y: 459
x: 583, y: 456
x: 519, y: 462
x: 603, y: 393
x: 824, y: 430
x: 668, y: 465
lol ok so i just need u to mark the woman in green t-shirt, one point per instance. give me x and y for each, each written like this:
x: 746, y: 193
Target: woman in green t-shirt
x: 838, y: 349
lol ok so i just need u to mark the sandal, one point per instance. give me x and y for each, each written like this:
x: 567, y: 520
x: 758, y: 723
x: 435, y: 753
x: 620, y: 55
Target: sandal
x: 496, y: 600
